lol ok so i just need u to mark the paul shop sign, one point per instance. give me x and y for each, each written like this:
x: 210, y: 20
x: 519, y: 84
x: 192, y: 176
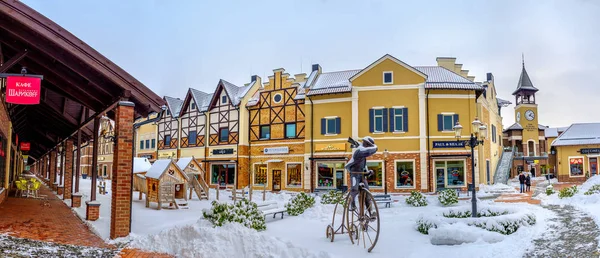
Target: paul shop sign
x: 23, y: 90
x: 25, y: 146
x: 448, y: 144
x: 276, y: 150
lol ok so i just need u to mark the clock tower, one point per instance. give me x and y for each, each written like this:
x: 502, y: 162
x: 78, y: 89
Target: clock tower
x: 526, y: 114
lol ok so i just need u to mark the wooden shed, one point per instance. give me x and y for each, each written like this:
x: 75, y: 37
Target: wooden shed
x: 196, y: 176
x: 140, y: 168
x: 165, y: 183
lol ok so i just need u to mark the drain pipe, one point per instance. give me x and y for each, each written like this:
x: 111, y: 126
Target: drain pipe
x: 249, y: 151
x: 135, y: 127
x: 430, y: 183
x: 312, y: 132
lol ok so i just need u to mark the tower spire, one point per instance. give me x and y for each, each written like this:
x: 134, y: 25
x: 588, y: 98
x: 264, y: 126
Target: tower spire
x: 523, y: 59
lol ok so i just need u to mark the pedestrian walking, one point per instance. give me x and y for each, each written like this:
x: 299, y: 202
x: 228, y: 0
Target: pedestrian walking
x: 528, y: 183
x: 522, y: 181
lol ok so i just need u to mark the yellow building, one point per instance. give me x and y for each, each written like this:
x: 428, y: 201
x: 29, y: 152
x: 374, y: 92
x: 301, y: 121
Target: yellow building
x: 105, y: 148
x: 577, y: 152
x: 277, y: 133
x: 410, y: 112
x: 145, y: 146
x: 168, y: 130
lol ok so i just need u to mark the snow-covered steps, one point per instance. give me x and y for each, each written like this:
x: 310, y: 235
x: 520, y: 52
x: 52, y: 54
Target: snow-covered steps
x: 182, y: 204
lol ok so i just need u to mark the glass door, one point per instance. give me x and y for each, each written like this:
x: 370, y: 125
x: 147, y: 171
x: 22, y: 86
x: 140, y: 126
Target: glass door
x: 593, y: 166
x: 339, y: 178
x: 276, y: 180
x: 440, y: 172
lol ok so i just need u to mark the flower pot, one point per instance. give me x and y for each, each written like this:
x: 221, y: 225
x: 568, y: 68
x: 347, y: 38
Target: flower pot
x: 84, y: 176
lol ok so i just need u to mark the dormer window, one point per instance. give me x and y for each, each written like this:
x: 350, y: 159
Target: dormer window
x: 224, y: 99
x: 388, y: 77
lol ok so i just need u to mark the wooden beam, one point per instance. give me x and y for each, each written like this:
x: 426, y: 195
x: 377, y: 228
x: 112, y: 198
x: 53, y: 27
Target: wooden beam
x: 64, y: 106
x: 13, y: 61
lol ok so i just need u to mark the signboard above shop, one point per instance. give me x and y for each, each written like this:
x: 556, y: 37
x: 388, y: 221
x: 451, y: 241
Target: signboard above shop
x: 277, y: 150
x: 449, y: 144
x: 25, y: 146
x: 222, y: 151
x: 23, y: 90
x: 330, y: 147
x: 590, y: 151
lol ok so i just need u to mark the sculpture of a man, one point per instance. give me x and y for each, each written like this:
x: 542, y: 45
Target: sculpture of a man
x: 357, y: 167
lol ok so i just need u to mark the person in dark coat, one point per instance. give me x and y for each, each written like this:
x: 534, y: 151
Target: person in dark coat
x: 522, y: 181
x: 527, y: 183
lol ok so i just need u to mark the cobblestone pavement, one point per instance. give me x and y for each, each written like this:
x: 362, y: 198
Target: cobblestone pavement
x: 572, y: 233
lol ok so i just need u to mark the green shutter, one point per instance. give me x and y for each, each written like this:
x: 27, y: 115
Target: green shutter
x: 405, y: 119
x: 392, y: 122
x: 384, y: 117
x: 440, y: 122
x: 338, y: 125
x: 323, y: 126
x: 371, y: 120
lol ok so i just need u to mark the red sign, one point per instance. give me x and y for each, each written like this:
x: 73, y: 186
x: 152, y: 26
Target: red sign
x: 25, y: 146
x: 23, y: 90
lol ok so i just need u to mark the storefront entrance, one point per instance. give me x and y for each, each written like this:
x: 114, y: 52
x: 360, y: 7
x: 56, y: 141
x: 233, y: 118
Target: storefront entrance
x: 593, y: 166
x: 222, y: 174
x: 276, y: 180
x: 450, y: 174
x: 330, y: 175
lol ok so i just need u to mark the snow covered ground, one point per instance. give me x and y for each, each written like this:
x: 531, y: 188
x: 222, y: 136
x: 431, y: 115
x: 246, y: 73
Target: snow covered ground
x: 185, y: 233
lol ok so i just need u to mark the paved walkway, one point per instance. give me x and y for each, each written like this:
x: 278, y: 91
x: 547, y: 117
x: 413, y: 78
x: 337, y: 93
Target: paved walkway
x: 29, y: 226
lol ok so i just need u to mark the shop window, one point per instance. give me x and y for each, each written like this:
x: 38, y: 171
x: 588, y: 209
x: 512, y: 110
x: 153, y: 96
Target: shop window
x: 330, y: 175
x: 294, y: 175
x: 377, y: 179
x: 167, y: 140
x: 290, y: 130
x: 446, y: 122
x: 405, y: 174
x: 192, y: 137
x: 260, y: 174
x: 223, y: 134
x: 378, y: 121
x: 454, y: 172
x: 265, y: 132
x: 222, y: 174
x: 576, y: 166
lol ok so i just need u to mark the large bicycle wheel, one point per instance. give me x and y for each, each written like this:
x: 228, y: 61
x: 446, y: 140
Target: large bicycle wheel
x: 368, y: 226
x: 351, y: 219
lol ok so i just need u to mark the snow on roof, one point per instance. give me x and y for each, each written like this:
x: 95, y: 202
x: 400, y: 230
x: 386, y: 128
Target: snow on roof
x: 441, y: 78
x: 579, y: 134
x: 502, y: 102
x: 332, y: 82
x: 184, y: 162
x: 141, y: 165
x: 158, y: 168
x: 202, y: 99
x: 174, y: 105
x: 236, y: 93
x: 515, y: 126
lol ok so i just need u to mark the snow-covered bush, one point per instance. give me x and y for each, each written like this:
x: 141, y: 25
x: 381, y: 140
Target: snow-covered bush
x: 243, y: 212
x: 568, y: 192
x: 298, y: 204
x: 593, y: 190
x: 448, y: 197
x: 333, y: 197
x: 416, y: 199
x: 549, y: 190
x: 495, y: 219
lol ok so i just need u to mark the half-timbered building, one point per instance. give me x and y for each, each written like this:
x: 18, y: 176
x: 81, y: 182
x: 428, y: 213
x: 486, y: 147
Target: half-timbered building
x: 227, y: 153
x: 193, y: 124
x: 277, y: 132
x: 168, y: 130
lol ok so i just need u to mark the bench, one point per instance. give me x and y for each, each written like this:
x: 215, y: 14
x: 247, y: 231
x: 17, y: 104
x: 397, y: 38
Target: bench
x: 270, y: 207
x: 383, y: 198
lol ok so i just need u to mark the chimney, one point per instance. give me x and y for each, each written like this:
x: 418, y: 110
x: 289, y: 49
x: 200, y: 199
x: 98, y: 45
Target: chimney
x: 446, y: 62
x: 300, y: 77
x: 255, y: 78
x: 490, y: 77
x: 316, y: 67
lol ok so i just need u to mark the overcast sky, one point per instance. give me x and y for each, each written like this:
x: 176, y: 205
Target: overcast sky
x: 173, y: 45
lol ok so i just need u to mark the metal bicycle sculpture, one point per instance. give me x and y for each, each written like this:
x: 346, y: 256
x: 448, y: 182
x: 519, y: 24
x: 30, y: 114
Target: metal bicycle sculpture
x: 361, y: 223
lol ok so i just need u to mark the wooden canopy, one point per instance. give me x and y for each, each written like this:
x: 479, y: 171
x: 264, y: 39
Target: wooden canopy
x: 79, y: 83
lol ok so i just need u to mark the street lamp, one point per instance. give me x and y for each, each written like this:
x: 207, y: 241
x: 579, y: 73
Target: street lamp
x: 386, y: 153
x: 478, y: 130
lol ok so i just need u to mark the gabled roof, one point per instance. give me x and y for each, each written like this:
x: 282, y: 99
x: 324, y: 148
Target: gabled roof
x: 441, y: 78
x: 141, y: 165
x: 174, y: 105
x: 386, y: 57
x: 579, y: 134
x: 184, y: 162
x: 160, y: 167
x: 332, y: 82
x: 524, y: 82
x: 554, y: 131
x: 202, y: 100
x: 234, y: 92
x: 515, y: 126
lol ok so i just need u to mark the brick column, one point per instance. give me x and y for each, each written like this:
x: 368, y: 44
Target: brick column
x: 92, y: 210
x: 68, y: 169
x: 120, y: 212
x: 52, y: 168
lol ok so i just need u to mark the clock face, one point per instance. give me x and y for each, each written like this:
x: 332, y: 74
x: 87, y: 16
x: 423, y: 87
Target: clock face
x: 529, y: 115
x: 518, y: 116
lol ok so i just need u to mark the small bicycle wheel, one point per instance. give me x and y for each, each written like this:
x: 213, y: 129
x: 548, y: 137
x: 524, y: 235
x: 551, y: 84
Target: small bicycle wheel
x: 369, y: 220
x: 329, y: 232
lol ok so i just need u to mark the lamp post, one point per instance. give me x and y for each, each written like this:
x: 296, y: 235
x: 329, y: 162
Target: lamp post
x: 477, y: 137
x: 386, y: 153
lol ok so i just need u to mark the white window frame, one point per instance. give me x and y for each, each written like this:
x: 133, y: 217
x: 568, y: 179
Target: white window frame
x: 301, y: 175
x: 382, y: 173
x: 414, y: 186
x: 446, y: 186
x: 375, y: 109
x: 383, y: 77
x: 582, y: 165
x: 254, y: 174
x: 443, y: 121
x: 327, y: 118
x: 396, y: 115
x: 277, y: 94
x: 316, y: 171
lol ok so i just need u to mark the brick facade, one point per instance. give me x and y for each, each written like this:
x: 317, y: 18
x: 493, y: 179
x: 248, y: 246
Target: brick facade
x: 68, y: 181
x: 566, y: 178
x: 120, y: 213
x: 3, y: 195
x: 92, y: 211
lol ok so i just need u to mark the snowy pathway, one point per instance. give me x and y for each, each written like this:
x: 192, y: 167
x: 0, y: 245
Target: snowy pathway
x: 22, y: 247
x: 571, y: 232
